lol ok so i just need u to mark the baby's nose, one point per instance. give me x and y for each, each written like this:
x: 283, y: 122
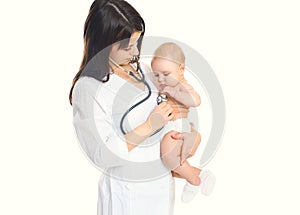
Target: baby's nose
x: 161, y: 78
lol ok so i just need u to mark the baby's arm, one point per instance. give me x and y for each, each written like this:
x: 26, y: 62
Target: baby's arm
x: 184, y: 93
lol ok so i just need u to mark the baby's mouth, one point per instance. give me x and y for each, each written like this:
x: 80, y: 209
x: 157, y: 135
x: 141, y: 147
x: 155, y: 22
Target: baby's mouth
x: 162, y: 86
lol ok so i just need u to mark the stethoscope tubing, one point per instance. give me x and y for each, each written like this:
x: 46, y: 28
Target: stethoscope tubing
x: 142, y: 79
x: 138, y: 103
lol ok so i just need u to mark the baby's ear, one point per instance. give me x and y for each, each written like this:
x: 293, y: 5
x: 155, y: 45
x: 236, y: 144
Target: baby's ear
x: 181, y: 69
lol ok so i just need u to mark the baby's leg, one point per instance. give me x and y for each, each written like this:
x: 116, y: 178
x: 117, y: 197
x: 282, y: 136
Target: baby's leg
x: 189, y: 146
x: 191, y: 174
x: 175, y: 174
x: 171, y: 155
x: 170, y: 150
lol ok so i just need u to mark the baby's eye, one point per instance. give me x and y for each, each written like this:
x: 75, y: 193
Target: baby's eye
x: 166, y: 74
x: 156, y: 75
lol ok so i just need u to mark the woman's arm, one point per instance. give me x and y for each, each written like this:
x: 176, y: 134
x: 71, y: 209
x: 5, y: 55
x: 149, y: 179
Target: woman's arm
x: 156, y: 120
x: 94, y: 127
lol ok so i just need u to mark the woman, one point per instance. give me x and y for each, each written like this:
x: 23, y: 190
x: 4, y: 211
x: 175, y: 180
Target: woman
x: 135, y: 180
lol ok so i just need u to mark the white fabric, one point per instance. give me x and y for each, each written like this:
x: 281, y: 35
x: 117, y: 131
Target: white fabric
x: 189, y: 192
x: 97, y: 107
x: 208, y: 181
x: 180, y: 125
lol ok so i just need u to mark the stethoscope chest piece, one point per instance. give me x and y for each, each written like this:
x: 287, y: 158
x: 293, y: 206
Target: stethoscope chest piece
x: 161, y: 98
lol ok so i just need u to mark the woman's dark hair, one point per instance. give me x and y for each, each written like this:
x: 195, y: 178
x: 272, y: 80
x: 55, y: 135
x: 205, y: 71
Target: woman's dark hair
x: 108, y: 22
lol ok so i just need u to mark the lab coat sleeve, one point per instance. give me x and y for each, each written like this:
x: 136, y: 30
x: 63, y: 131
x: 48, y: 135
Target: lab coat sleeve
x: 93, y: 126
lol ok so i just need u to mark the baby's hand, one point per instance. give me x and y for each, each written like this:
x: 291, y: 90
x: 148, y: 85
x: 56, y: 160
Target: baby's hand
x: 169, y: 90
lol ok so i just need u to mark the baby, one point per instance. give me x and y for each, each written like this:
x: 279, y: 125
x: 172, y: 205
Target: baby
x: 168, y: 65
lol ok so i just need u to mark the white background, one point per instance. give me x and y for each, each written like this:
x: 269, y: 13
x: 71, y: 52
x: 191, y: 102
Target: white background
x: 253, y: 47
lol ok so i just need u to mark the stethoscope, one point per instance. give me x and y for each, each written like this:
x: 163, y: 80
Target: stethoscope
x: 160, y: 98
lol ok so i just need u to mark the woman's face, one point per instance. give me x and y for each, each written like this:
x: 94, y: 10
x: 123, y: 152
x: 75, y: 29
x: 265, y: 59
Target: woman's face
x: 166, y: 73
x: 123, y: 56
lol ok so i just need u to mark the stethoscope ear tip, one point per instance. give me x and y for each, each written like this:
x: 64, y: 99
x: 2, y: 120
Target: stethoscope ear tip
x: 134, y: 59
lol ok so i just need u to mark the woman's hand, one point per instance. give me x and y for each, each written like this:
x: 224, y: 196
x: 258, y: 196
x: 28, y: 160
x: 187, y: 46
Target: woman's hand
x: 160, y: 116
x: 191, y: 141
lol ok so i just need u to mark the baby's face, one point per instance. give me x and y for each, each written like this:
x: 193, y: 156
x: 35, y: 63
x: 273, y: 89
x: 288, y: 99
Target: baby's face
x: 166, y: 73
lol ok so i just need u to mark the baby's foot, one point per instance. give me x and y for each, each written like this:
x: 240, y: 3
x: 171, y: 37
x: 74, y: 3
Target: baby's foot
x: 189, y: 192
x: 207, y: 185
x: 208, y: 181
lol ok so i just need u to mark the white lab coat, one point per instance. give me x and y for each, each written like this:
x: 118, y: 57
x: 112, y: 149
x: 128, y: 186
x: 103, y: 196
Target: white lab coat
x: 97, y: 110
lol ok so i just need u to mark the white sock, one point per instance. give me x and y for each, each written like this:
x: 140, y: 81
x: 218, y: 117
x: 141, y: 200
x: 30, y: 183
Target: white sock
x: 189, y: 192
x: 207, y: 185
x: 208, y: 181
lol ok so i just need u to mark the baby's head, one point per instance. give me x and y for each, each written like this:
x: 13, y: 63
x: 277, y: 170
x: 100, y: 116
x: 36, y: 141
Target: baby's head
x: 168, y: 65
